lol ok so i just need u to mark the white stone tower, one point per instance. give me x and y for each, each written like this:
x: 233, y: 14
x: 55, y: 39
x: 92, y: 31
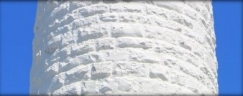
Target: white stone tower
x: 124, y: 47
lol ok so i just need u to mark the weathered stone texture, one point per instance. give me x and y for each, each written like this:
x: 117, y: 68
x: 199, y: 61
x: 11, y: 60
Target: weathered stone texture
x: 124, y: 47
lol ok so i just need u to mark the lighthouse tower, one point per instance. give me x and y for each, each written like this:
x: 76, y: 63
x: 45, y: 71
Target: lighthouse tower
x: 120, y: 47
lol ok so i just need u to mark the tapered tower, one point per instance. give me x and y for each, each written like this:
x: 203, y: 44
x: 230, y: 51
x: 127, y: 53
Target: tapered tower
x: 124, y: 47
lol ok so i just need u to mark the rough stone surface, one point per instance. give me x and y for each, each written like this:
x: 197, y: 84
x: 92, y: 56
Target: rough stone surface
x: 124, y: 47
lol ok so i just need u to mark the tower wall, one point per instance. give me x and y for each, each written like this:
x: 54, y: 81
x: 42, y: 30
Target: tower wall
x: 124, y: 47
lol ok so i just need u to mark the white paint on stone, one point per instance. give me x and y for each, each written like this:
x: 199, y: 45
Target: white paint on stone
x: 124, y: 47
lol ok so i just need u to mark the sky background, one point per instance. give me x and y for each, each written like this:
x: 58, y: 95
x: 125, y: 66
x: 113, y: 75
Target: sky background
x: 16, y: 34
